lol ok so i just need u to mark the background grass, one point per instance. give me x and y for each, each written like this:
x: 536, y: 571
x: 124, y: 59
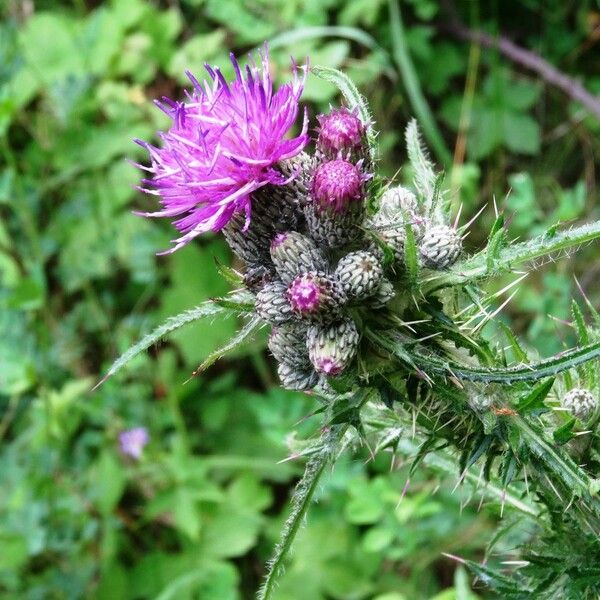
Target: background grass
x: 198, y: 515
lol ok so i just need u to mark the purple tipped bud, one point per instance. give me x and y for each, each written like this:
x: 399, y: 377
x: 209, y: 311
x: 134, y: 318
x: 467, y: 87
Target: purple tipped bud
x: 340, y: 131
x: 331, y: 348
x: 336, y: 184
x: 315, y: 296
x: 305, y: 294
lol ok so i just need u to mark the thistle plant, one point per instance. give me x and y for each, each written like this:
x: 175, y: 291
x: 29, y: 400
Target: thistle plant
x: 375, y: 306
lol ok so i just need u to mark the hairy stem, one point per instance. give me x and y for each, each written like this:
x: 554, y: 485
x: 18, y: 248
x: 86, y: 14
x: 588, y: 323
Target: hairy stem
x: 302, y: 498
x: 475, y: 268
x: 303, y: 495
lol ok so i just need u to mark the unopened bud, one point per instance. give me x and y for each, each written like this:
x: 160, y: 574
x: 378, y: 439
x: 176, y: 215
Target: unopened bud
x: 360, y: 274
x: 287, y: 343
x: 293, y: 378
x: 439, y: 247
x: 340, y: 132
x: 272, y: 304
x: 332, y: 347
x: 293, y: 254
x: 580, y: 403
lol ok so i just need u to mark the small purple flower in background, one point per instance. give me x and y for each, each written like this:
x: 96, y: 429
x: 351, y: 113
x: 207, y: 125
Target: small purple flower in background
x: 223, y: 145
x: 133, y: 441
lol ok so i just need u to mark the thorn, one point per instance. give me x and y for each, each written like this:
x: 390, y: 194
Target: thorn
x: 458, y: 559
x: 467, y: 225
x: 480, y: 502
x: 403, y: 493
x: 454, y: 226
x: 290, y: 457
x: 460, y: 480
x: 102, y: 381
x: 516, y: 563
x: 552, y: 486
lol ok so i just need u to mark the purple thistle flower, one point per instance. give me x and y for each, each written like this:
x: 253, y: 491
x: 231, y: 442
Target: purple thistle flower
x: 224, y: 144
x: 337, y: 183
x: 339, y: 130
x: 133, y: 441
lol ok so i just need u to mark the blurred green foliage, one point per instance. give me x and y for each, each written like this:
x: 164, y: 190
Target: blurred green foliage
x: 198, y: 515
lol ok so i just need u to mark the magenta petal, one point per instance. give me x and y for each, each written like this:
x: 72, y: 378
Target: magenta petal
x: 224, y: 143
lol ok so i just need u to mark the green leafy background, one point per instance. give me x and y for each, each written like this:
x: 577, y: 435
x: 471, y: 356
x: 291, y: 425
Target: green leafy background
x: 198, y: 515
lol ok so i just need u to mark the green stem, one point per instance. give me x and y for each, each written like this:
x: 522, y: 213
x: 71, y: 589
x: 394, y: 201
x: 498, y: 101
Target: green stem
x: 303, y: 495
x: 476, y: 268
x: 413, y: 87
x: 402, y: 349
x: 568, y: 477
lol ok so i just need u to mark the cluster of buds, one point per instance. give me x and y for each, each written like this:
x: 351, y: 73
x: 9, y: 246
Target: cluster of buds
x: 315, y: 259
x: 439, y: 245
x: 314, y: 256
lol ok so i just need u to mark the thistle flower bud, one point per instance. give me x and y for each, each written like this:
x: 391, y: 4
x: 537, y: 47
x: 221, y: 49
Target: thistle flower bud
x: 480, y: 401
x: 332, y: 347
x: 340, y: 131
x: 383, y: 294
x: 337, y: 184
x: 580, y: 403
x: 301, y: 168
x: 395, y: 205
x: 315, y: 296
x: 440, y: 247
x: 332, y: 229
x: 293, y: 378
x: 287, y: 344
x: 360, y: 274
x: 272, y: 304
x: 274, y: 208
x: 251, y: 245
x: 293, y: 253
x: 394, y: 237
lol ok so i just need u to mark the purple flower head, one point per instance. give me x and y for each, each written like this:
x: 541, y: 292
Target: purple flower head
x: 337, y: 183
x: 133, y: 441
x: 224, y: 143
x: 304, y: 294
x: 340, y: 130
